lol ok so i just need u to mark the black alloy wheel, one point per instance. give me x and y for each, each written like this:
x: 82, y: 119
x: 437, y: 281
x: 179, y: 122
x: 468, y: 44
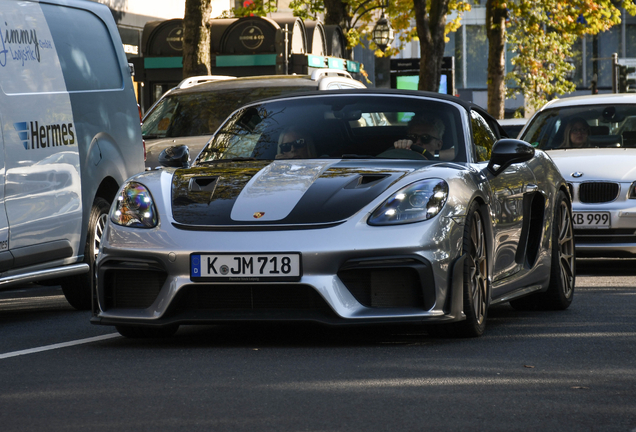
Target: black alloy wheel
x: 476, y: 283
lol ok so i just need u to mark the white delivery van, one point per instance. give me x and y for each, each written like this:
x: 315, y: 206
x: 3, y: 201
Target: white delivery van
x: 70, y: 137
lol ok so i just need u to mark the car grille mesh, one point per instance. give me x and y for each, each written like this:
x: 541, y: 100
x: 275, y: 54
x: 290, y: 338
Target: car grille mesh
x: 598, y: 192
x: 132, y: 289
x: 605, y: 236
x: 384, y: 288
x: 233, y: 297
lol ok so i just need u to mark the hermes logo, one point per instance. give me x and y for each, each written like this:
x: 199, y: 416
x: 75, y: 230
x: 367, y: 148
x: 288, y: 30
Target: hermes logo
x: 33, y: 135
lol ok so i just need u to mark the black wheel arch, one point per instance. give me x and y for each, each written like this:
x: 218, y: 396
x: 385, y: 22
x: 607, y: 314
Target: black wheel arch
x: 107, y: 190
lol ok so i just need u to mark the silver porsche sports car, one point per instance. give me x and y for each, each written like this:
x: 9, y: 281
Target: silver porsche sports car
x: 340, y: 208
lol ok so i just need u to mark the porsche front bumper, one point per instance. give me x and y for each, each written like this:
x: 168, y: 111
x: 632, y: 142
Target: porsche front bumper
x: 351, y: 274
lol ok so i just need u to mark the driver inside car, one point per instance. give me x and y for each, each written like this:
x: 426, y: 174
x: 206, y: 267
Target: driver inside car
x: 426, y: 132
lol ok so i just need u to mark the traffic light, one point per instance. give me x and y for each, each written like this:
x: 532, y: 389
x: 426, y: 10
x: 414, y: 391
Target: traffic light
x: 626, y: 84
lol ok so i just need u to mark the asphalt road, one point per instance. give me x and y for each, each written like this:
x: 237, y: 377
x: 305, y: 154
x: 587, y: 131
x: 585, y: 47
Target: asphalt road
x: 572, y: 370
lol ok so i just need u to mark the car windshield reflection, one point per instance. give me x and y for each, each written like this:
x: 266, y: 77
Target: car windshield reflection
x: 201, y: 113
x: 340, y: 126
x: 592, y: 126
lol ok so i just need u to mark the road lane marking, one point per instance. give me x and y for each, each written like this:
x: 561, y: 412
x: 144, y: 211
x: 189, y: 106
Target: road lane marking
x: 59, y: 345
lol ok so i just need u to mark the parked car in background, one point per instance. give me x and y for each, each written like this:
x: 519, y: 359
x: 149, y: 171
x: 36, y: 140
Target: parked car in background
x: 192, y: 81
x: 311, y: 208
x: 592, y: 139
x: 70, y: 138
x: 191, y: 114
x: 513, y: 126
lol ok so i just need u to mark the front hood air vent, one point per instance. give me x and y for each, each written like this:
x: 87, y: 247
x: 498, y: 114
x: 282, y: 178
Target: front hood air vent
x: 290, y: 192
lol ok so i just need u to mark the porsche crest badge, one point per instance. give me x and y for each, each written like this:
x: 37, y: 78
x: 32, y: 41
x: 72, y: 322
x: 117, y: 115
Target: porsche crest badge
x: 259, y: 215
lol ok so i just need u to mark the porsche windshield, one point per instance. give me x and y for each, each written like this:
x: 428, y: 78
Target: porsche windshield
x: 338, y: 126
x: 608, y: 126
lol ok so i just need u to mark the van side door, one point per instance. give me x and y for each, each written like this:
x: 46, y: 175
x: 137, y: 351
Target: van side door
x: 42, y: 178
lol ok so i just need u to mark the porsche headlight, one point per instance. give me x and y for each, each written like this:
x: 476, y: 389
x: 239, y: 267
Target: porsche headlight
x: 417, y: 202
x: 134, y: 207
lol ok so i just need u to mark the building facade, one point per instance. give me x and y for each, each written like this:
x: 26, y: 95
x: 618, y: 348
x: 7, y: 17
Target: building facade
x: 132, y: 15
x: 468, y: 47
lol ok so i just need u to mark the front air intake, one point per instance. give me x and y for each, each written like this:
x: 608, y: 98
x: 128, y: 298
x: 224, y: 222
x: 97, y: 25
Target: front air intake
x: 385, y: 288
x: 236, y: 297
x: 132, y: 289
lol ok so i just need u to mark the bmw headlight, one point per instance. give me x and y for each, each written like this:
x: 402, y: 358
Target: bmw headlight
x: 631, y: 193
x: 134, y: 207
x: 417, y: 202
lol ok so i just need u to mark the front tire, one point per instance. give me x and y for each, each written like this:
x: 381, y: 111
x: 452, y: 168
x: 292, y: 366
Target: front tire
x: 563, y: 264
x: 79, y: 289
x: 475, y: 293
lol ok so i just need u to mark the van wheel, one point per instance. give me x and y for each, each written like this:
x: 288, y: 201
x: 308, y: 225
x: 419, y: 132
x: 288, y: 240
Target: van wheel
x: 79, y: 289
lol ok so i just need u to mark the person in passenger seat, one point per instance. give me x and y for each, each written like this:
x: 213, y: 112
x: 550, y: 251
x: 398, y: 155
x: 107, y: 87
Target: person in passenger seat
x: 295, y: 143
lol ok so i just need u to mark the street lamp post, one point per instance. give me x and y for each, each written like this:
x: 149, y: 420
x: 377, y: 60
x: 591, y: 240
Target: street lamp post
x: 382, y: 33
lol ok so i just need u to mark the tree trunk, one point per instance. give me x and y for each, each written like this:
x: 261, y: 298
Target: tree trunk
x: 337, y: 13
x: 430, y: 30
x: 496, y: 33
x: 196, y: 38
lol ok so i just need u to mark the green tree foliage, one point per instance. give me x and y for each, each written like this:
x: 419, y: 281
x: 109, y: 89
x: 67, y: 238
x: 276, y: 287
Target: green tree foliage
x: 358, y: 17
x: 255, y: 8
x: 542, y: 34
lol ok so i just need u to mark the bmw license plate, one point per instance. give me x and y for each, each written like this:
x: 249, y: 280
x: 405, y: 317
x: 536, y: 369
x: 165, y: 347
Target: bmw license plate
x: 245, y: 267
x: 591, y: 219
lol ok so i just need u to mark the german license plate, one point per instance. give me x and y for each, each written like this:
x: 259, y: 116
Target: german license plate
x: 591, y: 219
x: 245, y: 267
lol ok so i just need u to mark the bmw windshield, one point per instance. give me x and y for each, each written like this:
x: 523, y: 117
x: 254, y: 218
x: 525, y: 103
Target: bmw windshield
x: 587, y: 126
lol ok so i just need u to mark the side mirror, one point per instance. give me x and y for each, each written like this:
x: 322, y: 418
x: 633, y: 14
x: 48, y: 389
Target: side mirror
x: 175, y: 157
x: 508, y: 151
